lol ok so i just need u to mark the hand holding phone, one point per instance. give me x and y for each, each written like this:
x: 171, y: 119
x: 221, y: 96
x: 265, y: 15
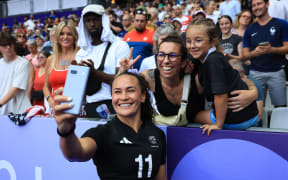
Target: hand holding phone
x: 75, y: 86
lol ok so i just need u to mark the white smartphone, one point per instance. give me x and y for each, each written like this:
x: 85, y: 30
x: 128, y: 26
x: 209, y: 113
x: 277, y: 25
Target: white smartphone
x: 75, y: 86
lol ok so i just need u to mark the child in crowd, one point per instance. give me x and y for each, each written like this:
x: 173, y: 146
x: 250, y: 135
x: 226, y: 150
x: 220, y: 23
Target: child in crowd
x: 216, y: 79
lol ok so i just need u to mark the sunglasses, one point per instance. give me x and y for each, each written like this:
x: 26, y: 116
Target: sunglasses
x: 21, y: 36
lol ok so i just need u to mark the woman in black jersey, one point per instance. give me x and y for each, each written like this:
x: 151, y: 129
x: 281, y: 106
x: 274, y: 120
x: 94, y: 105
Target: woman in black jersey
x: 128, y: 147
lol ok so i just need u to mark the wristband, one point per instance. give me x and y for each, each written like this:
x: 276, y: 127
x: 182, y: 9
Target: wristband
x: 67, y: 133
x: 47, y: 98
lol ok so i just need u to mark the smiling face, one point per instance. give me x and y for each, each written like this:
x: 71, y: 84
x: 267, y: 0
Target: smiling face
x: 140, y: 22
x: 197, y: 41
x: 66, y: 39
x: 21, y: 38
x: 169, y: 68
x: 225, y: 25
x: 259, y: 8
x: 42, y: 59
x: 127, y: 97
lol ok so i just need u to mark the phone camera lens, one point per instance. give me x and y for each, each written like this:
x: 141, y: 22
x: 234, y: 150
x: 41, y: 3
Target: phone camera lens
x: 73, y: 72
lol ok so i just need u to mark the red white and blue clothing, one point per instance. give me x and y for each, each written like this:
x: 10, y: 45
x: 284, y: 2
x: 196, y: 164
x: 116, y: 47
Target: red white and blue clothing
x: 142, y: 43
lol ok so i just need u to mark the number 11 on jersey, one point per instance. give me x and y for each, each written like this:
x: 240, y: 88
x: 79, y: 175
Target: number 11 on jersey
x: 139, y: 160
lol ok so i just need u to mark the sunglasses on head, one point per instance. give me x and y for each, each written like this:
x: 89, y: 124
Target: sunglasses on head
x: 140, y: 11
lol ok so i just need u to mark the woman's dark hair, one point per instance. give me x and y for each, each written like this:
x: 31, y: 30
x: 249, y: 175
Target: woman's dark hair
x: 6, y: 39
x: 178, y: 40
x: 45, y: 53
x: 146, y: 107
x: 227, y: 17
x: 19, y: 49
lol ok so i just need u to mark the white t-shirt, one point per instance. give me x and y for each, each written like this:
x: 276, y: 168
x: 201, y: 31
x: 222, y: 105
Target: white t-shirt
x: 148, y: 63
x: 213, y: 17
x: 15, y: 74
x: 30, y: 24
x: 118, y: 50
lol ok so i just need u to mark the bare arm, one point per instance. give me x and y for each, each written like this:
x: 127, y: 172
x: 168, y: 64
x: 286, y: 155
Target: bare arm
x: 278, y: 50
x: 247, y: 54
x: 242, y: 98
x: 73, y: 148
x: 47, y: 89
x: 260, y: 105
x: 240, y: 53
x: 9, y: 95
x: 221, y: 104
x: 125, y: 64
x: 161, y: 175
x: 265, y: 49
x: 150, y: 78
x: 106, y: 78
x: 115, y: 28
x: 31, y: 80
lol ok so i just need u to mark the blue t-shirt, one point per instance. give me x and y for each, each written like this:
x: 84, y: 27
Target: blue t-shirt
x: 275, y: 32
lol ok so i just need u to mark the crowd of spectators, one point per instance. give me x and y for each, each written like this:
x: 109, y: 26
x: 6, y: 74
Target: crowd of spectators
x: 50, y: 46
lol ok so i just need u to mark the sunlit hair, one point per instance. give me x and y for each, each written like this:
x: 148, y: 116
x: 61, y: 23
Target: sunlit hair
x: 146, y: 107
x: 32, y: 42
x: 21, y: 33
x: 57, y: 50
x: 237, y: 23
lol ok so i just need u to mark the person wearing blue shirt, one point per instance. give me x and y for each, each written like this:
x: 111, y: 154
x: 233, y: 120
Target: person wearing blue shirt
x: 265, y: 42
x: 231, y: 8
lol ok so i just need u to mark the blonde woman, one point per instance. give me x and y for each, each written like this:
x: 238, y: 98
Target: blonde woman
x: 244, y: 19
x: 65, y: 49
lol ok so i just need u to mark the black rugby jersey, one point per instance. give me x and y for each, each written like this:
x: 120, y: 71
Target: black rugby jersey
x: 123, y: 154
